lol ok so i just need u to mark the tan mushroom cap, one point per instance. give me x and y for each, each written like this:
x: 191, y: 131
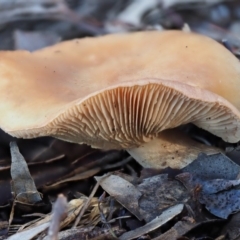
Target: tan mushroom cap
x: 118, y: 91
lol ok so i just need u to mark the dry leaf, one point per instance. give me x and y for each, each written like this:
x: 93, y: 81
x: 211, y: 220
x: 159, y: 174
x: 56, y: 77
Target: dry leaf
x: 166, y: 216
x: 23, y: 186
x: 29, y: 234
x: 123, y: 191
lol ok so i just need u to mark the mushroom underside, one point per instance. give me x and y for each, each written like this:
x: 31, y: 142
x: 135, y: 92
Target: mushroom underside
x: 127, y: 117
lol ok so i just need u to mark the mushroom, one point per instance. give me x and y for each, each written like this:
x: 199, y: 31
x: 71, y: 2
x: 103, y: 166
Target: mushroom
x: 121, y: 91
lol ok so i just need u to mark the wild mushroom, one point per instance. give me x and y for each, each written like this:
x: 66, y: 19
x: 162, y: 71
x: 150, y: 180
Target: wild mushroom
x: 121, y: 91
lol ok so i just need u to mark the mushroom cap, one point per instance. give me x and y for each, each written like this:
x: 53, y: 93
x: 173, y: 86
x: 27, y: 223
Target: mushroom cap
x: 118, y: 91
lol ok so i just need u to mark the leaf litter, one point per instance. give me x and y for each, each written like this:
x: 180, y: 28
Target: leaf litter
x: 151, y: 196
x: 204, y: 182
x: 27, y: 203
x: 23, y: 186
x: 208, y: 189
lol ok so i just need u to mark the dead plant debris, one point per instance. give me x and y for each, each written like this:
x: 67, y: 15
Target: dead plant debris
x: 106, y: 194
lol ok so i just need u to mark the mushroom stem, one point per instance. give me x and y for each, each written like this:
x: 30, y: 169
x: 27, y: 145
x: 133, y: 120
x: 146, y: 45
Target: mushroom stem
x: 172, y: 148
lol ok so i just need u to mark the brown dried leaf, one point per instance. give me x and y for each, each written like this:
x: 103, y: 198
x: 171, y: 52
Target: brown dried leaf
x: 123, y: 191
x: 29, y: 234
x: 148, y: 199
x: 166, y: 216
x: 89, y: 233
x: 23, y: 186
x: 159, y: 193
x: 178, y: 230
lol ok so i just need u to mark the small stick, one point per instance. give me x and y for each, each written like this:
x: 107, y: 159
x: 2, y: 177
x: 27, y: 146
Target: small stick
x: 88, y: 201
x: 59, y: 212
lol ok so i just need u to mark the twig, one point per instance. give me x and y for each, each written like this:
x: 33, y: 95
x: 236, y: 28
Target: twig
x: 103, y: 218
x: 88, y: 201
x: 59, y: 212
